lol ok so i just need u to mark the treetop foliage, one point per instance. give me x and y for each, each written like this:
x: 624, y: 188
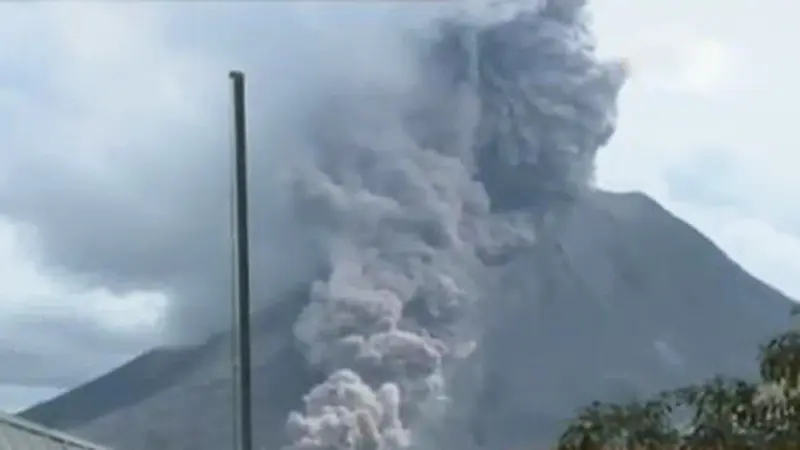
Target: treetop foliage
x: 721, y: 413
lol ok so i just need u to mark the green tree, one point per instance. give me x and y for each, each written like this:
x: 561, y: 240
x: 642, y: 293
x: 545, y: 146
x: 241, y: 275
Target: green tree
x: 723, y: 413
x: 607, y: 425
x: 720, y: 409
x: 778, y: 404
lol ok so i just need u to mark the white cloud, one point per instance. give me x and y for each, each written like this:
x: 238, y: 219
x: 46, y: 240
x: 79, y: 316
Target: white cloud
x: 709, y: 65
x: 71, y: 331
x: 27, y: 289
x: 16, y: 398
x: 707, y: 127
x: 69, y: 80
x: 96, y: 49
x: 681, y: 60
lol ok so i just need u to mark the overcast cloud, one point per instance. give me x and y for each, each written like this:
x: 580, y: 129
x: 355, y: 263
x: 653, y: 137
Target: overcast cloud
x: 114, y: 164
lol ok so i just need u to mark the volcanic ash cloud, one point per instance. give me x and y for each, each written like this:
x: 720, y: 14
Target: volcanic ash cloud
x: 413, y: 190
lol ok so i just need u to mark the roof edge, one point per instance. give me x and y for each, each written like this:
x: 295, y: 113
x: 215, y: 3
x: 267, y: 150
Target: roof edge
x: 49, y: 433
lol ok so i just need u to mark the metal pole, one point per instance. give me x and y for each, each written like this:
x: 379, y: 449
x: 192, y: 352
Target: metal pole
x: 243, y: 417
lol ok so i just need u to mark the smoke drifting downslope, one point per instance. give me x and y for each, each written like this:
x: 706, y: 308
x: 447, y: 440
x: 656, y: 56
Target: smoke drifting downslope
x: 413, y: 190
x: 418, y: 179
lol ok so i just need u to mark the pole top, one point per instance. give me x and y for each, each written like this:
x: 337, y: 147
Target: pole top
x: 236, y: 74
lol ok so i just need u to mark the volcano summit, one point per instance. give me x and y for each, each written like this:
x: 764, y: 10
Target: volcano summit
x: 475, y: 288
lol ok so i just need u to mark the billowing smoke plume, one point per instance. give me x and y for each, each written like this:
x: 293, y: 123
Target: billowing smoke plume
x: 414, y: 190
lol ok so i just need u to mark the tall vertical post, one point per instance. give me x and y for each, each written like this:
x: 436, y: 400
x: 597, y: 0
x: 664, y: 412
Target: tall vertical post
x: 241, y: 303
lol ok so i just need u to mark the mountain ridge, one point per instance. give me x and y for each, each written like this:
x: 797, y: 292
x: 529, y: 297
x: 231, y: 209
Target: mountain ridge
x: 594, y: 278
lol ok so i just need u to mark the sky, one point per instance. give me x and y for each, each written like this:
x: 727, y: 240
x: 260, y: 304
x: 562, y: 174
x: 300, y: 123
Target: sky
x: 108, y: 114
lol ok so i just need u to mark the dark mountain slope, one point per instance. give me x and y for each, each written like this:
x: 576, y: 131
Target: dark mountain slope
x: 144, y: 376
x: 622, y: 300
x: 195, y: 380
x: 625, y: 301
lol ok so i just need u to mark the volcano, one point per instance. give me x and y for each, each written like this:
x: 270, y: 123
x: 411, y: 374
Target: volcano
x: 476, y: 288
x: 634, y: 301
